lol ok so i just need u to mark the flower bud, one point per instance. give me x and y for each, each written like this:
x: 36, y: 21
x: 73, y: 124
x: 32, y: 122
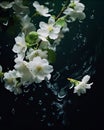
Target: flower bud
x: 31, y: 38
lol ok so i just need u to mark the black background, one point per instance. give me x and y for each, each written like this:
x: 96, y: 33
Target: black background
x: 90, y: 106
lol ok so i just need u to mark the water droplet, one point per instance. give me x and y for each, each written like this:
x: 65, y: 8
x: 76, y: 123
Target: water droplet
x: 53, y: 113
x: 44, y: 116
x: 40, y: 85
x: 26, y: 91
x: 66, y: 67
x: 92, y: 17
x: 5, y: 23
x: 69, y: 101
x: 46, y: 3
x: 13, y: 111
x: 44, y: 109
x: 62, y: 93
x: 46, y: 94
x: 40, y: 102
x: 56, y: 76
x: 50, y: 124
x: 31, y: 98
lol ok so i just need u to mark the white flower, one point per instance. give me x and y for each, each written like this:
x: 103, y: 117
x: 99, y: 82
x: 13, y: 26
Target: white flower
x: 41, y: 9
x: 75, y: 10
x: 20, y: 46
x: 40, y: 69
x: 6, y: 5
x: 27, y: 26
x: 82, y: 85
x: 11, y: 82
x: 48, y: 30
x: 34, y: 53
x: 26, y: 75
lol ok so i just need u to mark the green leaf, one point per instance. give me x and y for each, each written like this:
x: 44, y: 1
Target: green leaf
x: 61, y: 21
x: 51, y: 56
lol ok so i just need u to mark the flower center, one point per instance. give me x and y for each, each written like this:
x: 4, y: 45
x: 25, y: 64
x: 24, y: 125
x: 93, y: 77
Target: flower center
x: 50, y: 28
x: 10, y: 81
x: 39, y: 68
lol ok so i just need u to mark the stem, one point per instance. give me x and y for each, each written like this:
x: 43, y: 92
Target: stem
x: 38, y: 44
x: 62, y: 10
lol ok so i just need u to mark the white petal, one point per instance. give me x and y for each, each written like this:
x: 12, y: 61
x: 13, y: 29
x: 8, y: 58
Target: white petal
x: 53, y: 36
x: 51, y: 20
x: 48, y: 69
x: 85, y: 79
x: 79, y: 7
x: 35, y: 4
x: 43, y: 25
x: 48, y: 77
x: 68, y: 11
x: 88, y: 86
x: 42, y: 32
x: 56, y: 29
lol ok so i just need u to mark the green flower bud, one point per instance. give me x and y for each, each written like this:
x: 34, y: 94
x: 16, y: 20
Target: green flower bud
x: 31, y: 38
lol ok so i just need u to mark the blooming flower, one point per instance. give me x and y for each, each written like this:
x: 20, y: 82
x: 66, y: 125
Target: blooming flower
x: 11, y: 82
x: 48, y: 30
x: 82, y: 85
x: 41, y: 9
x: 40, y: 69
x: 75, y: 10
x: 20, y: 46
x: 34, y: 53
x: 26, y: 75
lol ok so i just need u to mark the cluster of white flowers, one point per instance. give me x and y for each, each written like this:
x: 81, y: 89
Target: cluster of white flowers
x: 31, y: 66
x: 35, y: 48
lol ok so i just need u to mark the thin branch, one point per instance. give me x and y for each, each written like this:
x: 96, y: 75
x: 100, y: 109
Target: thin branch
x: 62, y: 10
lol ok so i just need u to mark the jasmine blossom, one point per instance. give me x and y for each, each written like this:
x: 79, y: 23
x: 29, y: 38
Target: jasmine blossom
x: 75, y: 10
x: 34, y: 53
x: 26, y: 75
x: 20, y: 46
x: 82, y: 85
x: 41, y: 9
x: 40, y: 69
x: 50, y: 30
x: 11, y: 82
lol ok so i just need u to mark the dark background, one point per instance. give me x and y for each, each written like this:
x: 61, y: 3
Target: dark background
x: 85, y: 112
